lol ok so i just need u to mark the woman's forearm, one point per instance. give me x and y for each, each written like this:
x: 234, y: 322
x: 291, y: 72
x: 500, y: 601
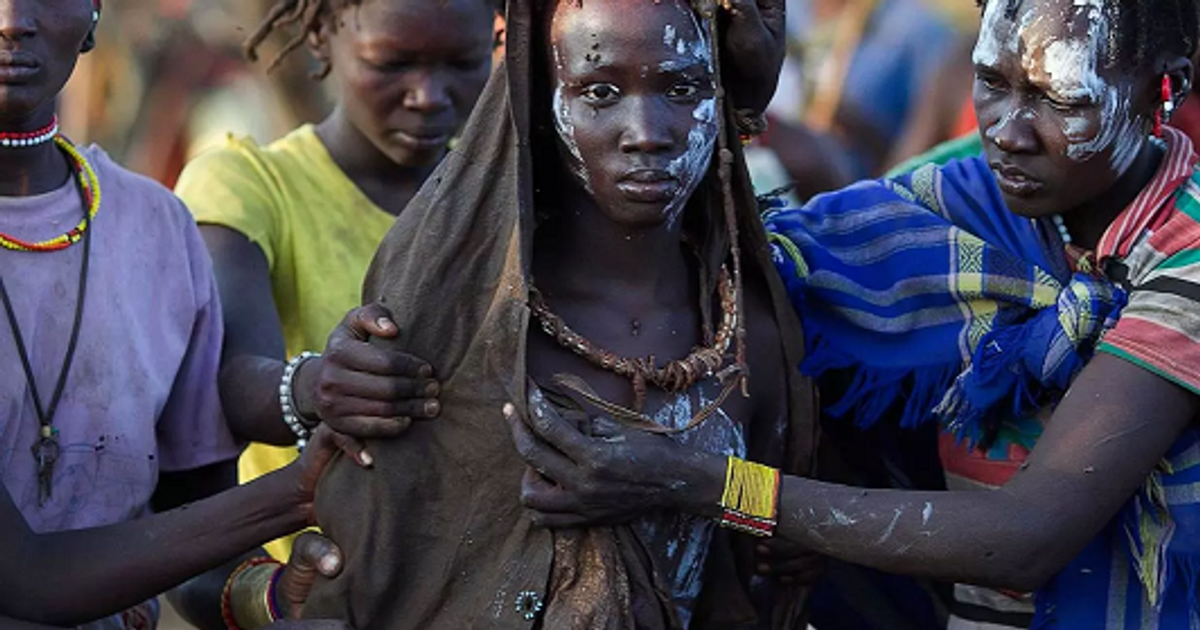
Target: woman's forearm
x: 979, y: 537
x: 250, y: 398
x: 67, y: 578
x: 987, y: 538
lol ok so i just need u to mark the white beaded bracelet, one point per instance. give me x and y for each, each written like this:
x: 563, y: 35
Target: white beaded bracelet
x: 291, y: 417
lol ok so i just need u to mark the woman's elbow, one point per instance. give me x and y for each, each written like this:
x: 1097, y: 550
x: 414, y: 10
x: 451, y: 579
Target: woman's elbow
x: 1027, y: 566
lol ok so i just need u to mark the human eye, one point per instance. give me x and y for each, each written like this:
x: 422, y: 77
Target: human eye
x: 600, y: 94
x: 1062, y: 105
x: 989, y: 79
x: 684, y: 91
x: 394, y: 64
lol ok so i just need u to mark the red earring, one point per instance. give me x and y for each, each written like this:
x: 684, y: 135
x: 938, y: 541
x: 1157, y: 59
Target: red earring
x: 1168, y: 107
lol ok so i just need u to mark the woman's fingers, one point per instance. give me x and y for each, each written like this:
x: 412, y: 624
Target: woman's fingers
x: 542, y: 495
x: 312, y: 555
x: 371, y: 320
x: 549, y: 426
x: 541, y: 457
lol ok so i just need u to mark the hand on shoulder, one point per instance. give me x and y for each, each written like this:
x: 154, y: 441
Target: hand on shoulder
x: 368, y: 390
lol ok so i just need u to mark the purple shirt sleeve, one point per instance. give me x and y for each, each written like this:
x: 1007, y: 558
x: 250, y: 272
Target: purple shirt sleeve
x: 192, y: 431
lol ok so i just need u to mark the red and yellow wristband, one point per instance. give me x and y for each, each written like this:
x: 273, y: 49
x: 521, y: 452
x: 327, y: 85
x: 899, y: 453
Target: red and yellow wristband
x: 750, y: 503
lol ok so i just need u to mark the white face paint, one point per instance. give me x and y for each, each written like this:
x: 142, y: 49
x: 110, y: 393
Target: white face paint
x: 691, y: 167
x: 566, y: 128
x: 684, y: 47
x: 1065, y: 60
x: 996, y: 34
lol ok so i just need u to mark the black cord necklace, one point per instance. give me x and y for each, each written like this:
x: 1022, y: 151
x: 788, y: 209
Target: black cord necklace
x: 46, y: 450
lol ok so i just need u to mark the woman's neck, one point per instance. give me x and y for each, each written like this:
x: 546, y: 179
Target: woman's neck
x: 32, y: 170
x: 1088, y: 223
x: 584, y: 253
x: 387, y: 184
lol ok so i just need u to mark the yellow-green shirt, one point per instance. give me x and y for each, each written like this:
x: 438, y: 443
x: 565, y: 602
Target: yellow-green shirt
x: 316, y: 228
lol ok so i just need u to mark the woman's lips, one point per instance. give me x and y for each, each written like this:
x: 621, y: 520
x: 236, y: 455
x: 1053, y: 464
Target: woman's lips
x: 422, y: 140
x: 648, y: 186
x: 1014, y: 181
x: 17, y: 66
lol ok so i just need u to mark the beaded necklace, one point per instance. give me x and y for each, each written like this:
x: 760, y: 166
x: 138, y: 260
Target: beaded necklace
x: 89, y: 188
x: 46, y: 449
x: 674, y: 377
x: 1061, y: 226
x: 23, y: 139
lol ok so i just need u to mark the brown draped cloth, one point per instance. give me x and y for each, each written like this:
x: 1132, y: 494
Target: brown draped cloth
x: 435, y: 537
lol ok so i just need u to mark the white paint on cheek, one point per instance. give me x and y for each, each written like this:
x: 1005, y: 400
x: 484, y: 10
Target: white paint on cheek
x: 690, y: 167
x: 1114, y: 127
x: 1074, y: 126
x: 669, y: 36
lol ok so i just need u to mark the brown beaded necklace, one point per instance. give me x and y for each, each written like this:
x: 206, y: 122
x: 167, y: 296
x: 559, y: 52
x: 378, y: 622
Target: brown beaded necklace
x: 675, y: 377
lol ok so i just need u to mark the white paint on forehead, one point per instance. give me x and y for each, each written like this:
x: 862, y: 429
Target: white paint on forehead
x: 1072, y: 65
x: 993, y: 37
x: 698, y: 49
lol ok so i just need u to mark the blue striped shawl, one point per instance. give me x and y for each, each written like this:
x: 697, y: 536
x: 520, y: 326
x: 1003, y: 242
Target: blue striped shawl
x: 946, y: 305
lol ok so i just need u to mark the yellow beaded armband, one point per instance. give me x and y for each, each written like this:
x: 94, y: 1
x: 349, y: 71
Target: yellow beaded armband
x: 751, y: 498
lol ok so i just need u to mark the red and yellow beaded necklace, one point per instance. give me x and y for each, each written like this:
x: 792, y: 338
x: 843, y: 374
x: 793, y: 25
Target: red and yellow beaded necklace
x: 46, y: 449
x: 89, y: 186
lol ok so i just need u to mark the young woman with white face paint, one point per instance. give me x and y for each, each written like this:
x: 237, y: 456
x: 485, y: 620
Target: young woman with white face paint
x: 634, y: 106
x: 1052, y: 288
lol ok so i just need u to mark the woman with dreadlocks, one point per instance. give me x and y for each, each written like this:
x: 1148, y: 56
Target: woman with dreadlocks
x: 1042, y: 302
x: 292, y: 226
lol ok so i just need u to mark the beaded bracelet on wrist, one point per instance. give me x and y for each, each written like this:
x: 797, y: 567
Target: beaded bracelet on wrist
x: 287, y: 402
x: 750, y: 503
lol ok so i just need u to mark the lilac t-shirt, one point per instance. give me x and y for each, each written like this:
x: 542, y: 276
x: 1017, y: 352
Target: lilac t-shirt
x: 142, y: 393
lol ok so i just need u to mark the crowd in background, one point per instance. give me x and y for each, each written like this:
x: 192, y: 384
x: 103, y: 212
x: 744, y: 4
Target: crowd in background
x: 172, y: 80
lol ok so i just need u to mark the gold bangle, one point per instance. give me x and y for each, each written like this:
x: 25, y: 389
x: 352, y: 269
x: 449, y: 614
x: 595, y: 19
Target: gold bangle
x: 750, y: 502
x: 250, y: 596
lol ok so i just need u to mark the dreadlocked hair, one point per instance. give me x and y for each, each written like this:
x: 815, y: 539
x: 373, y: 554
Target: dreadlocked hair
x: 1145, y: 29
x: 285, y: 14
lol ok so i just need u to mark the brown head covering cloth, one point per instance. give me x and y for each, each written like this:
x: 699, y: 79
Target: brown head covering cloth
x: 434, y: 536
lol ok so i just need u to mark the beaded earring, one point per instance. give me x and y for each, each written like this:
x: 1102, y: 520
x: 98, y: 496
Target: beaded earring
x: 1163, y: 115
